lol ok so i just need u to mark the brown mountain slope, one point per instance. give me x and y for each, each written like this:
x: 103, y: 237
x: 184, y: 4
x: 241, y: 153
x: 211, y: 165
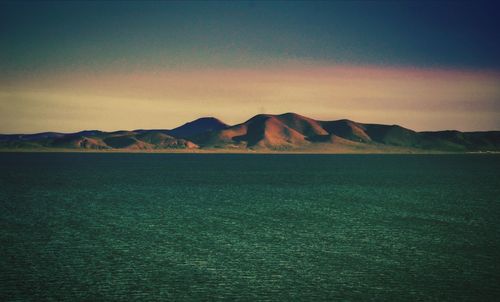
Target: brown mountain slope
x: 303, y: 125
x: 347, y: 129
x: 292, y: 131
x: 266, y: 131
x: 263, y: 131
x: 80, y: 142
x: 159, y: 140
x: 288, y: 131
x: 279, y: 132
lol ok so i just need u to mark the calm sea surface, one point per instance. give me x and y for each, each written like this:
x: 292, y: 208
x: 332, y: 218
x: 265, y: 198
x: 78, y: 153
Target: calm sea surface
x: 190, y: 227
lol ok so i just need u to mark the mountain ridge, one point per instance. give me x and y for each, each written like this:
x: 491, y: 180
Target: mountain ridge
x: 263, y: 132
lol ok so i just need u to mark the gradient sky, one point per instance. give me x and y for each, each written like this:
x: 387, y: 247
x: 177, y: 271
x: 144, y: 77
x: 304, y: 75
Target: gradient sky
x: 68, y: 66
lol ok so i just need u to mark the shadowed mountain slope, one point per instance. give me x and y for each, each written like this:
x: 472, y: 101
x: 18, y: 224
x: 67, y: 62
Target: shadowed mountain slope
x: 392, y: 135
x: 98, y: 140
x: 284, y: 132
x: 197, y: 127
x: 347, y: 129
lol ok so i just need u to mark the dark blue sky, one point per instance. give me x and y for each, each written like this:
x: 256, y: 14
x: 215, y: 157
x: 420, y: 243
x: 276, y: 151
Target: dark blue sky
x: 55, y: 35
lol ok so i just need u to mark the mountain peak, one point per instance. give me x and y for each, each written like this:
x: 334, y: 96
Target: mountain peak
x: 198, y: 126
x: 292, y: 115
x: 207, y: 120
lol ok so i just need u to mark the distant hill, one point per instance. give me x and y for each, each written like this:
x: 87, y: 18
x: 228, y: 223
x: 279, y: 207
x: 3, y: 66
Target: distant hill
x: 197, y: 127
x: 264, y: 132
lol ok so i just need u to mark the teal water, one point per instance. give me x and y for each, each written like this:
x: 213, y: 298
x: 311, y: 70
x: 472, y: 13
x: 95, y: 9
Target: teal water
x: 191, y: 227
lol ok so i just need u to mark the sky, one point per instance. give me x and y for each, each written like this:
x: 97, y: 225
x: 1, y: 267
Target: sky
x: 425, y: 65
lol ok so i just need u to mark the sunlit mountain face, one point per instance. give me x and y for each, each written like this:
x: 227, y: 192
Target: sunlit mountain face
x: 65, y: 67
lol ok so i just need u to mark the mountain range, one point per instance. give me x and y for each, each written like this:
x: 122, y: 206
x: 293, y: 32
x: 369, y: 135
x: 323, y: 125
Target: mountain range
x: 264, y: 132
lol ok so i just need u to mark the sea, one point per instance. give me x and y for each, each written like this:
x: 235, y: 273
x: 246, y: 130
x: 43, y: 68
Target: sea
x: 249, y: 227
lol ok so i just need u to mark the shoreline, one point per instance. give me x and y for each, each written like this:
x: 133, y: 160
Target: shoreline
x: 256, y: 152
